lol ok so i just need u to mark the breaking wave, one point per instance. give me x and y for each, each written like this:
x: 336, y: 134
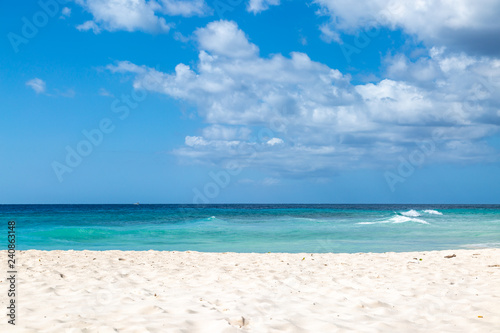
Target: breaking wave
x: 398, y: 219
x: 433, y: 212
x: 411, y: 213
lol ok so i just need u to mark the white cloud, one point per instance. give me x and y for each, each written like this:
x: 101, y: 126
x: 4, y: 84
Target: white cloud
x: 89, y: 25
x: 185, y: 8
x: 138, y: 15
x: 275, y: 141
x: 125, y: 66
x: 38, y: 85
x: 224, y: 38
x: 458, y: 24
x: 128, y: 15
x: 219, y: 132
x: 65, y: 13
x: 328, y: 34
x: 192, y: 141
x: 294, y: 116
x: 257, y: 6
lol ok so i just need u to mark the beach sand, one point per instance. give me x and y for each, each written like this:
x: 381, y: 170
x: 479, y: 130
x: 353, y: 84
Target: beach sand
x: 151, y: 291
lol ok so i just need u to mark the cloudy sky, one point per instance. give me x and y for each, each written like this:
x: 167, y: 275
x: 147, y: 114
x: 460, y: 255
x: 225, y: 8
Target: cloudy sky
x: 258, y: 101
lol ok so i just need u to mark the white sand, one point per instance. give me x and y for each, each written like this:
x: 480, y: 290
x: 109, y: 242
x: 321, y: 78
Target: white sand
x: 73, y: 291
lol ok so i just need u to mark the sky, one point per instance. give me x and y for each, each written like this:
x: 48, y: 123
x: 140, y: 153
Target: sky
x: 250, y: 101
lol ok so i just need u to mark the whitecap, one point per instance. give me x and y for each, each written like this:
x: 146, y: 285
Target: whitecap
x: 411, y: 213
x: 432, y: 211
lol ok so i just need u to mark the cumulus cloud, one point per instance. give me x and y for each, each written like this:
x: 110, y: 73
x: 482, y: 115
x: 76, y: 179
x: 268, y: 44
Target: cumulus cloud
x: 275, y: 141
x: 460, y: 25
x: 224, y: 38
x: 137, y: 15
x: 473, y: 82
x: 297, y: 117
x: 257, y: 6
x: 38, y: 85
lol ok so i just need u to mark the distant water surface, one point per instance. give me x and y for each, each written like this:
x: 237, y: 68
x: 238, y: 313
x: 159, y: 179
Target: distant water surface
x: 255, y: 228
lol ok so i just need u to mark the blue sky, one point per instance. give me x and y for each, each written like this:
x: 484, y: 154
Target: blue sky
x: 255, y: 101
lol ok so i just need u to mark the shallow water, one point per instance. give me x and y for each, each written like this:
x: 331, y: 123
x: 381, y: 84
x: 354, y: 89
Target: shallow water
x: 254, y: 228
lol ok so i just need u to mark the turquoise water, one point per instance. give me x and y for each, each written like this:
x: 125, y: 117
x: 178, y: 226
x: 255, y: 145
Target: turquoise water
x: 254, y: 228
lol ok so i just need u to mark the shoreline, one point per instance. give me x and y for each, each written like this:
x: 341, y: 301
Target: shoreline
x: 188, y: 291
x: 269, y: 252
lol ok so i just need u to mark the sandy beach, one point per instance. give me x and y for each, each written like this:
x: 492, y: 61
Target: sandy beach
x: 151, y: 291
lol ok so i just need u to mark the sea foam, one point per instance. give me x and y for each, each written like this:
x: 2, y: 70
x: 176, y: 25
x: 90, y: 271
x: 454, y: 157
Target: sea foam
x: 404, y: 219
x: 481, y: 245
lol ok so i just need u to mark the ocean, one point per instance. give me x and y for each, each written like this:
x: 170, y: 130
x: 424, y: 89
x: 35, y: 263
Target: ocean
x: 254, y: 228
